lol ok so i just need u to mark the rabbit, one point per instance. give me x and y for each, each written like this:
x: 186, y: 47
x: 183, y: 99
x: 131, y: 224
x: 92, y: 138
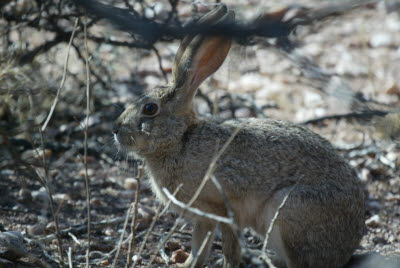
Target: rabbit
x: 322, y: 221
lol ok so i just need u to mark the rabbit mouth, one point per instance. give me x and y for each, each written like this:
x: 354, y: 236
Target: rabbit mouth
x: 125, y: 140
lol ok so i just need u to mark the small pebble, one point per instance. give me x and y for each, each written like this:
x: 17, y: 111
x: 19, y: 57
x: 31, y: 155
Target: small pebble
x: 96, y: 202
x: 394, y: 89
x: 36, y: 156
x: 137, y: 259
x: 374, y: 221
x: 51, y: 227
x: 109, y: 232
x: 159, y: 260
x: 374, y: 205
x: 172, y: 245
x: 393, y: 197
x: 179, y: 256
x: 36, y: 229
x: 242, y: 113
x: 380, y: 40
x: 40, y: 195
x: 130, y: 183
x: 24, y: 195
x: 82, y: 172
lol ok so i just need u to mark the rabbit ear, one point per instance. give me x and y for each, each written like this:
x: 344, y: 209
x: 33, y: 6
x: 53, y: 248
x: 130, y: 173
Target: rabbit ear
x: 200, y: 56
x: 208, y: 19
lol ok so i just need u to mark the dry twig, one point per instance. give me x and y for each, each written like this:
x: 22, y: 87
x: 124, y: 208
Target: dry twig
x: 203, y: 244
x: 155, y: 218
x: 121, y: 237
x: 70, y: 257
x: 87, y: 181
x: 62, y: 80
x: 271, y: 225
x: 134, y: 216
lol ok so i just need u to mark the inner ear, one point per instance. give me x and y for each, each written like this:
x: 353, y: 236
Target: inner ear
x: 209, y: 58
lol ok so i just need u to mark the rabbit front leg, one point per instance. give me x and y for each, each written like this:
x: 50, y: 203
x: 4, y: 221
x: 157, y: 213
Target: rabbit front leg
x: 230, y: 247
x: 200, y: 230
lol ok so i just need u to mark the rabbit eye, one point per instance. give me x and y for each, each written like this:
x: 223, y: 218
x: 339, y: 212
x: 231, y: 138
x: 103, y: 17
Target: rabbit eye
x: 150, y: 109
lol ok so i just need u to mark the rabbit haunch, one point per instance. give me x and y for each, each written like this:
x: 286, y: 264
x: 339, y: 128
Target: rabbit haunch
x: 322, y: 221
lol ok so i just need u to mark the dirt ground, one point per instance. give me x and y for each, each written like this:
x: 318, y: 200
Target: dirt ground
x: 361, y: 47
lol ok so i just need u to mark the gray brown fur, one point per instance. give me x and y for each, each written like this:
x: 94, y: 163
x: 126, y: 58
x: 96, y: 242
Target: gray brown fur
x: 322, y: 220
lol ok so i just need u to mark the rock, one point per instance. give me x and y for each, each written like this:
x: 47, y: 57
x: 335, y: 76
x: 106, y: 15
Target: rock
x: 380, y: 40
x: 35, y: 157
x: 12, y: 246
x: 137, y: 259
x: 365, y: 174
x: 379, y: 240
x: 24, y: 195
x: 159, y: 260
x: 179, y: 256
x: 60, y: 197
x: 96, y: 202
x: 312, y: 99
x: 104, y: 263
x: 109, y: 232
x: 374, y: 221
x: 90, y: 172
x: 40, y: 195
x: 392, y: 5
x: 348, y: 65
x: 130, y: 183
x: 51, y: 227
x: 36, y: 229
x: 394, y: 89
x: 242, y: 113
x: 393, y: 197
x: 375, y: 205
x: 172, y: 245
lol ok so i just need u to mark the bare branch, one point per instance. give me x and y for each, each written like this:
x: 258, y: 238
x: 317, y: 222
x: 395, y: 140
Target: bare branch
x: 62, y: 80
x: 134, y: 217
x: 195, y: 210
x: 87, y: 180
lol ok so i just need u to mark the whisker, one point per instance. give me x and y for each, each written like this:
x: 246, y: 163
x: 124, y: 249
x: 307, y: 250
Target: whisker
x: 101, y: 148
x: 134, y: 142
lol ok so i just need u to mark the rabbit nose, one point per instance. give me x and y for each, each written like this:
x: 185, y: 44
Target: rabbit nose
x: 116, y: 127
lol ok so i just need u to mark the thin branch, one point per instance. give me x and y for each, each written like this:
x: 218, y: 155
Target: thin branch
x: 70, y: 264
x: 63, y: 78
x: 196, y: 211
x: 234, y: 224
x: 134, y: 217
x: 121, y: 237
x: 271, y: 225
x: 50, y: 195
x: 363, y: 115
x: 202, y: 246
x: 87, y: 180
x: 159, y: 59
x: 155, y: 218
x: 267, y: 25
x: 29, y: 56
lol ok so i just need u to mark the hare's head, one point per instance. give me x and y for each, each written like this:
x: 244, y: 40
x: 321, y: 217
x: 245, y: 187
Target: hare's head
x: 158, y: 119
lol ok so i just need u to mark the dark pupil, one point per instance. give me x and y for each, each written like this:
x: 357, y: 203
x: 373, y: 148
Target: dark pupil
x: 150, y: 108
